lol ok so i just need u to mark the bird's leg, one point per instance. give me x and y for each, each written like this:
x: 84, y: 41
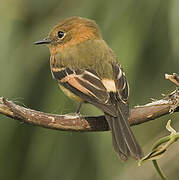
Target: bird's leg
x: 78, y: 108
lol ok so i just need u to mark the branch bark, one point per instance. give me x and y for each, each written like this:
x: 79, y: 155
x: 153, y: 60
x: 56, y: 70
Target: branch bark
x: 140, y: 114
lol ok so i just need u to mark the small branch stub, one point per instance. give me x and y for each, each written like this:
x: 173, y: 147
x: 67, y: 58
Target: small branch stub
x: 174, y: 78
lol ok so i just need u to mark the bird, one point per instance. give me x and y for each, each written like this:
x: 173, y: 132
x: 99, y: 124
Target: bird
x: 88, y: 71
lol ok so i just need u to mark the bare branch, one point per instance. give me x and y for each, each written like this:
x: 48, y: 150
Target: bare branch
x: 139, y: 114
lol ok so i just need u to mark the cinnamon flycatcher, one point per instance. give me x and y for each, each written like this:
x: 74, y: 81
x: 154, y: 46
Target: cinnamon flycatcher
x: 88, y: 71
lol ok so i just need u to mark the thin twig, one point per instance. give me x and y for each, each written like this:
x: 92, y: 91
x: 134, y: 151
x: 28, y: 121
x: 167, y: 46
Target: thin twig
x: 158, y: 149
x: 158, y: 170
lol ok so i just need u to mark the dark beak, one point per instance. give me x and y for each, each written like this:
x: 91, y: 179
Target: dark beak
x: 44, y: 41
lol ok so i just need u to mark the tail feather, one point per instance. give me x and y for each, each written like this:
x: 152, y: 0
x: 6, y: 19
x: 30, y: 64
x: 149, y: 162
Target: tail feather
x: 120, y: 147
x: 124, y: 142
x: 133, y: 146
x: 118, y: 132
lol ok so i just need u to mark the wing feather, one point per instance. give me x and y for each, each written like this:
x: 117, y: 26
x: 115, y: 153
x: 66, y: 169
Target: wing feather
x: 121, y: 82
x: 87, y: 85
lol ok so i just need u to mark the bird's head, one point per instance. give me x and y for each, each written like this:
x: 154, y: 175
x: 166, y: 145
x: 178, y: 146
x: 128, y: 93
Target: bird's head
x: 71, y: 31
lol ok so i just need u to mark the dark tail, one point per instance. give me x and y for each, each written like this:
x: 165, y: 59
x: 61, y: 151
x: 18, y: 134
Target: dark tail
x: 124, y: 141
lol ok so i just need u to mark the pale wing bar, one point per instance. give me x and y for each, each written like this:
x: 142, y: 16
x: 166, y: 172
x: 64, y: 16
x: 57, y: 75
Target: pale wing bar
x: 121, y: 82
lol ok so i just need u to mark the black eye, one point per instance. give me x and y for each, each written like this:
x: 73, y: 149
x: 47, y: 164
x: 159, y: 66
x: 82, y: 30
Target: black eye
x: 61, y: 34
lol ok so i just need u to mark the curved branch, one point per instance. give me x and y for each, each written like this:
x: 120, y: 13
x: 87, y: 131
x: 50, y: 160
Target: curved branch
x: 139, y: 114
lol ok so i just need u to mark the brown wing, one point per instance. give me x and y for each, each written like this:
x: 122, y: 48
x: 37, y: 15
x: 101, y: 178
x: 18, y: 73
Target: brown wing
x: 87, y: 85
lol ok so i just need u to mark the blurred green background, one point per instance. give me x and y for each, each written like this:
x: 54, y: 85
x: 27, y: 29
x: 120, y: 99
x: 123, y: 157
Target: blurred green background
x: 145, y: 37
